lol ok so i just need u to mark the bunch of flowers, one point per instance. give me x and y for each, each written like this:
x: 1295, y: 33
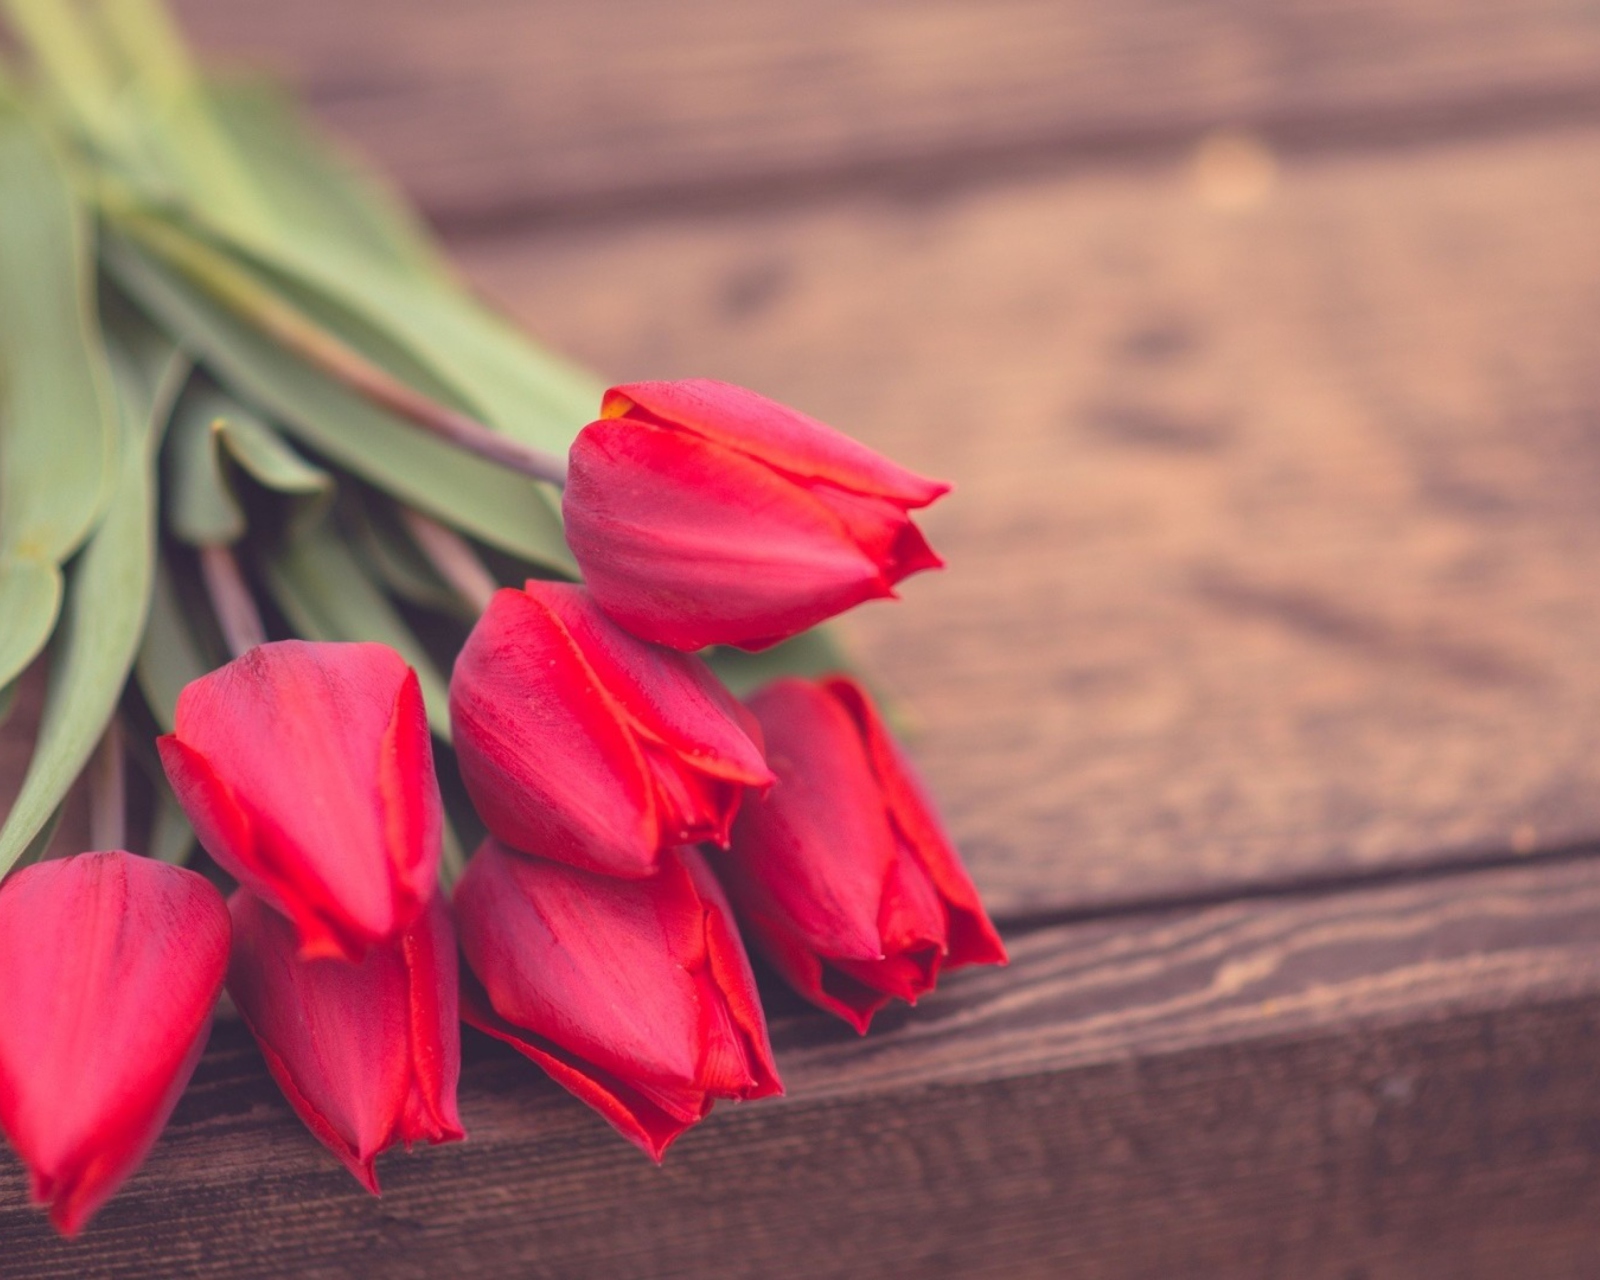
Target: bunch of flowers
x: 240, y: 399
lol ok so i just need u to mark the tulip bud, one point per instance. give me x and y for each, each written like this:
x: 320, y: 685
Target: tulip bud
x: 112, y: 967
x: 702, y: 513
x: 842, y: 875
x: 367, y: 1054
x: 307, y: 772
x: 578, y: 742
x: 636, y: 995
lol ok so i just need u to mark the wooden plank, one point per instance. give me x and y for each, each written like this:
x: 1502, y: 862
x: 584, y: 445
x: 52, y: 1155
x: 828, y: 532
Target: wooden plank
x: 1272, y: 553
x: 488, y: 108
x: 1393, y: 1082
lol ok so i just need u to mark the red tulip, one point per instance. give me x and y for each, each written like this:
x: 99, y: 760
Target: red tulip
x: 636, y: 995
x: 581, y: 743
x: 702, y: 513
x: 307, y: 772
x: 112, y: 965
x: 367, y: 1054
x: 842, y: 875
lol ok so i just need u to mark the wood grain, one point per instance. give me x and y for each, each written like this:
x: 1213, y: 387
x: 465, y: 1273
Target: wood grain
x: 490, y: 109
x: 1273, y: 549
x: 1395, y: 1082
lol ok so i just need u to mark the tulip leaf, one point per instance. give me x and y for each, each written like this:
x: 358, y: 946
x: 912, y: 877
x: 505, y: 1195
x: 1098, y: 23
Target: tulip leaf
x: 107, y: 598
x: 209, y: 431
x: 58, y: 442
x: 390, y: 554
x: 168, y: 116
x: 809, y: 655
x: 490, y: 503
x: 341, y: 239
x: 171, y: 653
x: 40, y: 844
x: 321, y: 588
x: 30, y: 598
x: 309, y: 183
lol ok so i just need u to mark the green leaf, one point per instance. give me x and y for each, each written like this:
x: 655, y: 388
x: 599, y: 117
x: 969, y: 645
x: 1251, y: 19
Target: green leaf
x: 322, y: 590
x: 171, y: 653
x: 340, y: 238
x: 75, y: 65
x: 165, y: 109
x: 374, y: 529
x: 30, y: 598
x: 57, y: 430
x: 107, y: 597
x: 492, y: 504
x: 309, y: 183
x: 40, y: 844
x: 210, y: 429
x: 810, y: 654
x: 8, y: 700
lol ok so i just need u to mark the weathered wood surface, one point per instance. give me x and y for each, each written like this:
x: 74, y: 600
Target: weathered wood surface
x: 1269, y: 637
x: 495, y: 109
x: 1390, y: 1082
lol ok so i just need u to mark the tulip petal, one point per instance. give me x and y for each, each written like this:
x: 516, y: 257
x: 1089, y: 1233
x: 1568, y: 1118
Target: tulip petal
x: 972, y: 936
x: 549, y: 763
x: 842, y: 875
x: 716, y: 548
x: 633, y: 1115
x: 729, y: 968
x: 367, y: 1054
x: 779, y: 436
x: 669, y: 698
x: 342, y: 807
x: 819, y: 980
x: 579, y: 742
x: 413, y: 816
x: 820, y: 847
x: 882, y: 530
x: 634, y: 994
x: 113, y: 964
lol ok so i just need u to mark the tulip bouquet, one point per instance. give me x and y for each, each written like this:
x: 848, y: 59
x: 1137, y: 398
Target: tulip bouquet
x: 266, y: 473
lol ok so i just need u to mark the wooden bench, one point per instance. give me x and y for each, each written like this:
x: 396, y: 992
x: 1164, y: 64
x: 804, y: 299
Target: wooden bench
x: 1262, y: 692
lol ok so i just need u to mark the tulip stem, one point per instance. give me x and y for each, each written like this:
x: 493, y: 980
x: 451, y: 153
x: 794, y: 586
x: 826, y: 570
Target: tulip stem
x: 454, y: 559
x: 231, y: 601
x: 243, y: 293
x: 108, y: 791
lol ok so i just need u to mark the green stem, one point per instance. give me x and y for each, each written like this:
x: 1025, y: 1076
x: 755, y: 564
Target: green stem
x: 453, y: 557
x: 246, y: 296
x: 231, y: 601
x: 108, y: 791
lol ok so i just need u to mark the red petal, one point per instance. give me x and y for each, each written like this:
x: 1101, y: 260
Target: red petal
x: 882, y: 530
x: 633, y: 1115
x: 779, y: 436
x: 687, y: 543
x: 598, y: 965
x: 668, y: 698
x: 729, y: 969
x: 549, y: 761
x: 305, y: 739
x: 113, y: 964
x: 818, y: 850
x: 972, y: 937
x: 361, y: 1051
